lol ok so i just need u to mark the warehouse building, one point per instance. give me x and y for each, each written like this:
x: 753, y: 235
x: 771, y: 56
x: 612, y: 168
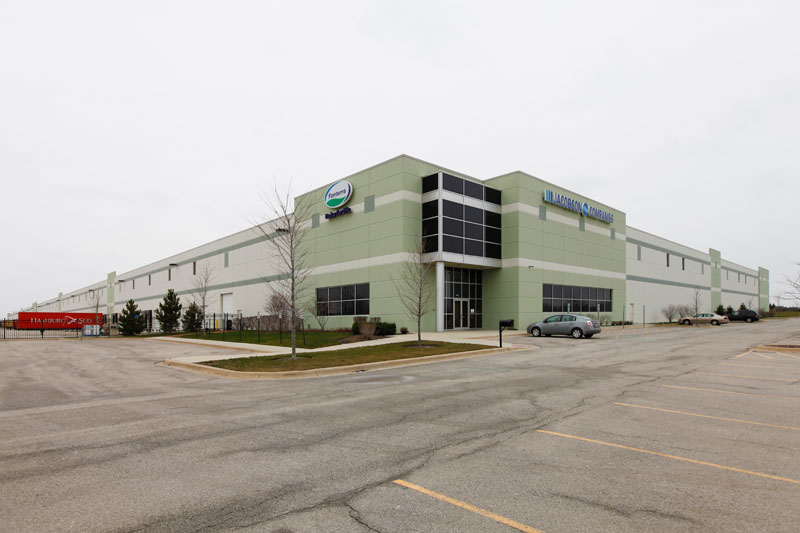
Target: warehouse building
x: 513, y: 246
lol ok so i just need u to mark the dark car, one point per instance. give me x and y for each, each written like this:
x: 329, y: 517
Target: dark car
x: 576, y: 326
x: 745, y: 314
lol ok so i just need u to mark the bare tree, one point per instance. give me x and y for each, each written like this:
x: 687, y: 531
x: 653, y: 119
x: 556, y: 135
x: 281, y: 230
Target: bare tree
x: 320, y: 312
x: 670, y: 312
x: 417, y: 299
x: 684, y: 310
x: 284, y: 234
x: 792, y: 285
x: 696, y: 302
x: 200, y: 286
x: 277, y: 305
x: 94, y: 298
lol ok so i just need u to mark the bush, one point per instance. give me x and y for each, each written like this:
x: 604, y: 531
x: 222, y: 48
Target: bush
x: 356, y: 329
x: 368, y: 330
x: 383, y: 329
x: 403, y: 331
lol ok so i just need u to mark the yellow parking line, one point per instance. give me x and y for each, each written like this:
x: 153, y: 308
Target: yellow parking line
x: 745, y: 377
x: 787, y: 355
x: 733, y: 392
x: 743, y: 354
x: 468, y: 507
x: 668, y: 456
x: 709, y: 416
x: 765, y: 356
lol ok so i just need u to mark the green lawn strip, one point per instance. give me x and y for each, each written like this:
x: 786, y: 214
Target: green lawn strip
x: 313, y: 339
x: 348, y: 356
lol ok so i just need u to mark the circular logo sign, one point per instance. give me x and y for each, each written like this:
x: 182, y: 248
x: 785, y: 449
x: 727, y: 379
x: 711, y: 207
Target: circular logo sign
x: 585, y: 209
x: 338, y: 194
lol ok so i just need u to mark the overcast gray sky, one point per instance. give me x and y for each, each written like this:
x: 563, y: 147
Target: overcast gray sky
x: 130, y: 131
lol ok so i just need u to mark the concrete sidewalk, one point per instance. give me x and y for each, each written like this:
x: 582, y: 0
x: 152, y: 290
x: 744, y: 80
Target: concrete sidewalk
x: 487, y: 337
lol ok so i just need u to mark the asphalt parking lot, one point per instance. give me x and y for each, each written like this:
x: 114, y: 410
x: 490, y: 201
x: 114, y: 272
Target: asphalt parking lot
x: 682, y: 428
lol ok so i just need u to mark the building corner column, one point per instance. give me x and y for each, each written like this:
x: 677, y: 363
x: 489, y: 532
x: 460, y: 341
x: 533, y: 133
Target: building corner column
x: 439, y: 296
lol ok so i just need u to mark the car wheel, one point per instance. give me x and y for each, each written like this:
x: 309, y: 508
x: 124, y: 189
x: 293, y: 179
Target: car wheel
x: 577, y: 333
x: 686, y: 322
x: 715, y: 322
x: 749, y: 320
x: 536, y: 332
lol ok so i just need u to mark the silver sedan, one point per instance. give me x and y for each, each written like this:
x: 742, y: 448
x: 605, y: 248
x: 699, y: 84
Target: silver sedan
x: 575, y: 325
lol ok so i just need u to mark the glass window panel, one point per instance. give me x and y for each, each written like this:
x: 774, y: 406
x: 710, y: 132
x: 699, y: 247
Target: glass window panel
x: 592, y: 293
x: 547, y: 305
x: 362, y: 307
x: 493, y: 251
x: 452, y: 227
x: 452, y: 209
x: 430, y: 209
x: 322, y: 295
x: 584, y: 293
x: 457, y: 290
x: 335, y: 308
x: 584, y: 306
x: 604, y: 306
x: 457, y: 275
x: 473, y: 231
x: 493, y: 234
x: 452, y: 183
x: 479, y: 276
x: 448, y: 321
x: 448, y: 274
x: 610, y: 307
x: 592, y: 306
x: 362, y: 291
x: 472, y: 318
x: 492, y: 219
x: 473, y: 214
x: 478, y: 306
x: 480, y: 291
x: 475, y: 190
x: 430, y: 183
x: 448, y: 290
x: 448, y: 305
x: 492, y: 195
x: 575, y: 306
x: 334, y: 293
x: 479, y: 322
x: 431, y: 244
x: 557, y: 291
x: 322, y: 309
x: 348, y: 307
x: 348, y: 292
x: 473, y: 248
x: 547, y: 290
x: 566, y: 291
x: 430, y: 226
x: 472, y: 275
x: 556, y: 305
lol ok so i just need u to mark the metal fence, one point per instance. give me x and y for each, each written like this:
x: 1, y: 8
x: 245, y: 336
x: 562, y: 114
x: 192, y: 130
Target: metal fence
x: 13, y: 333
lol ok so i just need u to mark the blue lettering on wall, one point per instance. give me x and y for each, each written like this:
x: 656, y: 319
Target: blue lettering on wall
x: 582, y: 208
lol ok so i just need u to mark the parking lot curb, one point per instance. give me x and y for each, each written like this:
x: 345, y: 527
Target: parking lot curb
x: 790, y: 348
x: 337, y: 370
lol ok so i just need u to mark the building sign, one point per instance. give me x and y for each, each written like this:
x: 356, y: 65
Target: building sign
x: 27, y: 320
x: 338, y: 194
x: 338, y: 213
x: 579, y: 207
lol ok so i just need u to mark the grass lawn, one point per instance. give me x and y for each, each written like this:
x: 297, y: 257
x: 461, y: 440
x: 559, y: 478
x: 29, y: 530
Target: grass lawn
x: 347, y: 356
x: 314, y: 339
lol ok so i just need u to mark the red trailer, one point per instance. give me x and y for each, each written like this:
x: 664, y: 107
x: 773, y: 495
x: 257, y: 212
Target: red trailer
x: 58, y: 320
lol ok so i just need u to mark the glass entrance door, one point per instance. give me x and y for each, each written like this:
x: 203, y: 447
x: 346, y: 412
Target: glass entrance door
x: 461, y: 313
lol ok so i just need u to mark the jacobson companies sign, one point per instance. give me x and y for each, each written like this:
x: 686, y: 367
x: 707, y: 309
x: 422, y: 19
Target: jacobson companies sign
x: 583, y: 208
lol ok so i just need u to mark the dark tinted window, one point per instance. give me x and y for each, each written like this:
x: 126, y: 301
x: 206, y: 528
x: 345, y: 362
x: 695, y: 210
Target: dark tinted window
x: 348, y: 292
x: 322, y: 295
x: 430, y: 183
x: 348, y: 307
x: 474, y: 190
x: 492, y: 195
x: 453, y: 210
x: 566, y: 291
x: 556, y: 291
x: 452, y: 183
x: 493, y: 234
x: 452, y: 227
x: 547, y: 290
x: 362, y: 291
x: 493, y: 251
x: 430, y: 209
x: 492, y: 219
x: 362, y: 307
x: 547, y: 306
x: 335, y: 293
x: 473, y: 247
x: 430, y: 226
x: 453, y: 244
x: 473, y: 231
x: 335, y: 308
x: 431, y: 244
x: 473, y: 214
